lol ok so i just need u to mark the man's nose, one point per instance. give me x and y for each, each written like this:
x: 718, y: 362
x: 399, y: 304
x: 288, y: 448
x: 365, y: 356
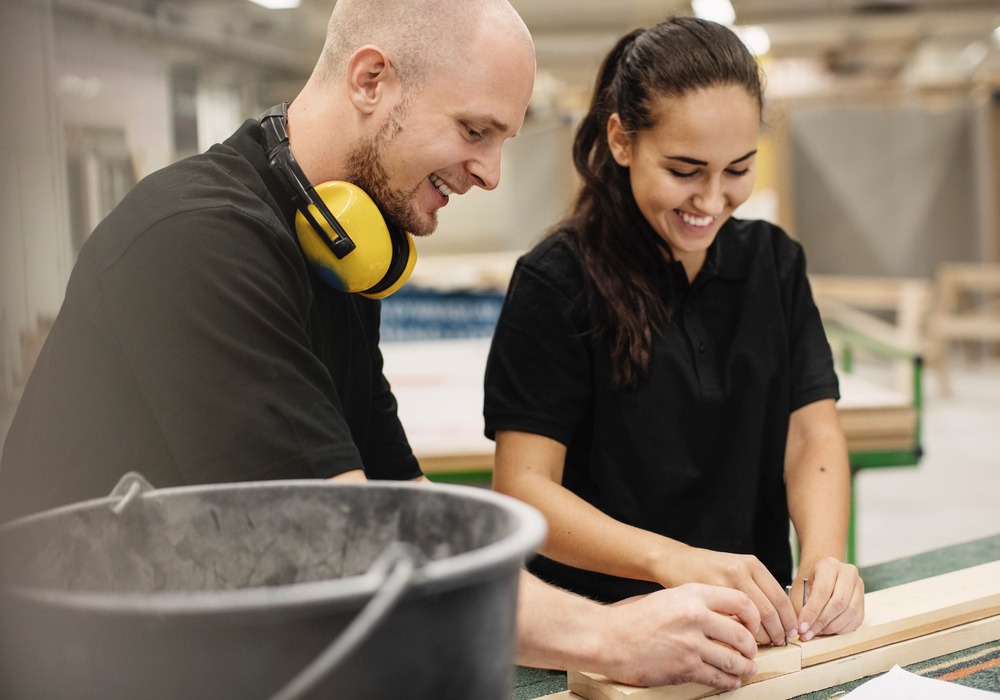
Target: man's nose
x: 485, y: 171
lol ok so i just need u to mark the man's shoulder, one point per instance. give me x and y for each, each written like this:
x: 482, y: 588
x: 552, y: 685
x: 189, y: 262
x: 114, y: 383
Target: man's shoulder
x: 220, y: 177
x: 218, y: 192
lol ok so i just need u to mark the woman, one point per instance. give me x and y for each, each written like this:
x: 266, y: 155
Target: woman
x: 660, y: 384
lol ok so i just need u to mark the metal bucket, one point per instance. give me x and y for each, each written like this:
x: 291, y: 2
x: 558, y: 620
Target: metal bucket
x: 241, y: 590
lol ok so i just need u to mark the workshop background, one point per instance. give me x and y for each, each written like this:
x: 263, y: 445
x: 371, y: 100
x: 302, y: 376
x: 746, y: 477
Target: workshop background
x: 880, y: 152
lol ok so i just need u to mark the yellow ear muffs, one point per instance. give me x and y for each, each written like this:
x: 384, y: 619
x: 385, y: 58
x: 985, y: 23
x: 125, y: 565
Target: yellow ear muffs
x: 383, y: 257
x: 404, y: 259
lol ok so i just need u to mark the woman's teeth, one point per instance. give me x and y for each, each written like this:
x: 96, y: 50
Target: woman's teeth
x: 441, y: 187
x: 695, y: 220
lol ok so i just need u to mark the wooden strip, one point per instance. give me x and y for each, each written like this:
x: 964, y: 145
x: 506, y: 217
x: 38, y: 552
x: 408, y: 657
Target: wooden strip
x: 771, y: 662
x: 914, y: 609
x: 849, y: 668
x: 871, y: 662
x: 920, y: 612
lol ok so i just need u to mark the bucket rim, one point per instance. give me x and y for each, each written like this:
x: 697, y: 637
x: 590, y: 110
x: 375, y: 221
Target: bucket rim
x: 434, y: 575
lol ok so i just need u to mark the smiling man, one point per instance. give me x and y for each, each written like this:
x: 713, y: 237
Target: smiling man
x: 200, y: 343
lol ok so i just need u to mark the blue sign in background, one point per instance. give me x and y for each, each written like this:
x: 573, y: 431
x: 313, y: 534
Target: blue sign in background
x: 417, y: 313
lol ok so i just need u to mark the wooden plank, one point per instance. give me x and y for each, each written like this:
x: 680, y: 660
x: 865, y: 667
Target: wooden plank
x: 871, y: 662
x: 771, y: 662
x: 450, y: 464
x: 914, y: 609
x: 966, y: 327
x: 872, y: 422
x: 856, y: 666
x: 917, y: 620
x: 883, y: 443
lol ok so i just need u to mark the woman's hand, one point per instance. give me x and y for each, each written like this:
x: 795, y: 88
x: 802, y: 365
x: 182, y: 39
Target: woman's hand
x: 836, y: 598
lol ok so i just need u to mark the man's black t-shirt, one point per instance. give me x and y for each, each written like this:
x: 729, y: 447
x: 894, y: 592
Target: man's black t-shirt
x: 196, y: 345
x: 696, y: 451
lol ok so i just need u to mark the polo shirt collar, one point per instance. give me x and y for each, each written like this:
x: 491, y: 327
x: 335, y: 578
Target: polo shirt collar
x: 250, y: 142
x: 726, y: 258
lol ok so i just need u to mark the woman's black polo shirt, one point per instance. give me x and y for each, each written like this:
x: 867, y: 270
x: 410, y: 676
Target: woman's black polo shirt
x: 696, y: 451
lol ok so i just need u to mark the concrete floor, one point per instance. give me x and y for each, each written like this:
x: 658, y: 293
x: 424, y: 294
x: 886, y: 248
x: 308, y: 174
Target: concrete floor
x: 952, y: 496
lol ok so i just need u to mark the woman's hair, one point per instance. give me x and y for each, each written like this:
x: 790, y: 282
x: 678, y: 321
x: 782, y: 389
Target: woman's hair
x: 621, y: 254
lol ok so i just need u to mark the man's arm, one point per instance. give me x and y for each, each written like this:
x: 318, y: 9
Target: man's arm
x: 353, y: 475
x: 358, y: 475
x: 693, y: 633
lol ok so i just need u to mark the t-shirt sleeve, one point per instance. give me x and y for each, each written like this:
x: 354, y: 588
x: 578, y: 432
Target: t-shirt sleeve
x: 538, y: 373
x: 813, y: 376
x: 210, y: 312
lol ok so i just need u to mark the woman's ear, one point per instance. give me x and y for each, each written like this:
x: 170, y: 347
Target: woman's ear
x: 619, y: 141
x: 369, y: 78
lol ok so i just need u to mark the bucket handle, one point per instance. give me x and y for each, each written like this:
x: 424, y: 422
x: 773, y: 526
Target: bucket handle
x: 128, y: 488
x: 398, y: 564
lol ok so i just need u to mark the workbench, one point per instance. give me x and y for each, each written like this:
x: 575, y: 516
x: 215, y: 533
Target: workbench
x: 439, y: 387
x: 977, y: 667
x: 438, y: 383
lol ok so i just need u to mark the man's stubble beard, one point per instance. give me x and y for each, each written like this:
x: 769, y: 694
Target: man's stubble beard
x: 366, y: 169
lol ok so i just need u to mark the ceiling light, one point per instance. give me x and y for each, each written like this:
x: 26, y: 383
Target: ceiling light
x: 973, y: 54
x: 756, y: 39
x: 720, y: 11
x: 277, y: 4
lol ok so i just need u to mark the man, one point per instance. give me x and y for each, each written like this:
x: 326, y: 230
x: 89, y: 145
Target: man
x: 197, y: 344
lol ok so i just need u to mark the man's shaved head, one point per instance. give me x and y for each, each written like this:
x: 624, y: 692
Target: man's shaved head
x: 418, y: 36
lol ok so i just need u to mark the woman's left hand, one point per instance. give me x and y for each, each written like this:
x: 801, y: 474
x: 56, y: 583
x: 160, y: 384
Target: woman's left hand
x: 836, y: 600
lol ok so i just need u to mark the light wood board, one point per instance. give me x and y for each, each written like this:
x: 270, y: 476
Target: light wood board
x: 842, y: 670
x: 903, y: 624
x: 914, y: 609
x: 438, y: 385
x: 851, y: 668
x: 771, y: 662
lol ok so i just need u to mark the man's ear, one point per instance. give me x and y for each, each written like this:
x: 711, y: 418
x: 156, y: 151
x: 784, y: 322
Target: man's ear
x: 369, y: 78
x: 619, y: 141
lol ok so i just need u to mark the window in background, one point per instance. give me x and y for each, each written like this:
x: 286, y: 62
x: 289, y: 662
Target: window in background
x: 99, y: 173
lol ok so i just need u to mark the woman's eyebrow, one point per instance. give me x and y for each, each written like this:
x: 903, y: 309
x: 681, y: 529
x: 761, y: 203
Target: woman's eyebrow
x: 744, y: 157
x: 695, y: 161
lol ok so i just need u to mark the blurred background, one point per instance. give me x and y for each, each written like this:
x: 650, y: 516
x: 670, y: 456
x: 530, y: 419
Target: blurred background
x: 880, y: 152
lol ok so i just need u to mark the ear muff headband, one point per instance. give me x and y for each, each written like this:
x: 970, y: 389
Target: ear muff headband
x: 339, y: 227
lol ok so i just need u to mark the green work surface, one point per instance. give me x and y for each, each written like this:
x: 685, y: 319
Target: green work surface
x: 972, y: 667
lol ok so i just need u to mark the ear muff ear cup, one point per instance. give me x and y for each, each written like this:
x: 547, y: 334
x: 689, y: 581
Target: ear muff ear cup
x: 404, y: 259
x: 382, y: 259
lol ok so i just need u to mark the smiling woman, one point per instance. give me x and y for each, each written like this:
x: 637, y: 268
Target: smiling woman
x: 660, y: 384
x: 687, y: 198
